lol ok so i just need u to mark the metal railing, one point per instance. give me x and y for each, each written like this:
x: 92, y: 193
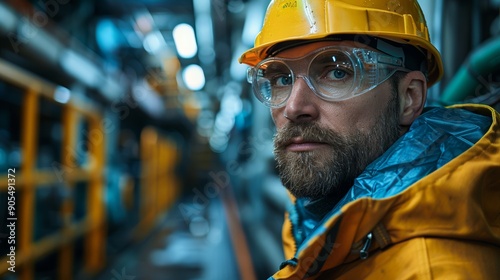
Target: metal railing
x: 29, y: 178
x: 159, y: 185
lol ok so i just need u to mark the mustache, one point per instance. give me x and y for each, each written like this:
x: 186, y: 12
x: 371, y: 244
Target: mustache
x: 309, y: 132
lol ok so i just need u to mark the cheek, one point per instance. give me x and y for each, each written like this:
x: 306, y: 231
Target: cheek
x: 278, y: 118
x: 357, y: 114
x: 354, y: 121
x: 343, y: 117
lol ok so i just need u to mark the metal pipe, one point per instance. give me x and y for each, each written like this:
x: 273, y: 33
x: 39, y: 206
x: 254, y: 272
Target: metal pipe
x: 471, y: 76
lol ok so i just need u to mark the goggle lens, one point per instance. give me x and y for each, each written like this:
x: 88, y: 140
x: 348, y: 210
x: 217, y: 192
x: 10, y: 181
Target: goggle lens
x: 332, y: 73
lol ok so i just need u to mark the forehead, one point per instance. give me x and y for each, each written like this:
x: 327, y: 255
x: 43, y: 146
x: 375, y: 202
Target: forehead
x: 302, y: 50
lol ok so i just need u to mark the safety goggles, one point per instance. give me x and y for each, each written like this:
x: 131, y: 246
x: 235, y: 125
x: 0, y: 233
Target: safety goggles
x: 333, y: 73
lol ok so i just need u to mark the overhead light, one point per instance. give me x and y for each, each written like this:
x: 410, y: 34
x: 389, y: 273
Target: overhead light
x: 154, y: 42
x: 62, y: 94
x: 193, y: 77
x: 185, y: 41
x: 108, y: 36
x: 81, y: 68
x: 9, y: 19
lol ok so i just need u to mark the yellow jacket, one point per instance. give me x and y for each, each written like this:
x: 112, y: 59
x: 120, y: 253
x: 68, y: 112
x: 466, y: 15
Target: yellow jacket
x: 435, y: 215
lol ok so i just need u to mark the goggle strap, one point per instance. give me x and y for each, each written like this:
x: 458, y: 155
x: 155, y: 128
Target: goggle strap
x: 391, y: 50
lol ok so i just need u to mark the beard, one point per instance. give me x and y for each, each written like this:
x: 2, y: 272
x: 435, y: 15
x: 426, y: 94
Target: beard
x: 331, y: 172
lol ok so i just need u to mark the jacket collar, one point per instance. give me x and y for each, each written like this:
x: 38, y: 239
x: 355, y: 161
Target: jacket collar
x: 435, y: 138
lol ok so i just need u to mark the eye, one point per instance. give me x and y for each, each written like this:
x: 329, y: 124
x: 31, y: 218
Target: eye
x: 336, y: 74
x: 331, y: 67
x: 281, y: 80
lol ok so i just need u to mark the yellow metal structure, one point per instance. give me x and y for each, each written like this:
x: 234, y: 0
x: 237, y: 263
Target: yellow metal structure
x: 159, y: 183
x: 160, y: 187
x: 29, y: 178
x: 400, y: 21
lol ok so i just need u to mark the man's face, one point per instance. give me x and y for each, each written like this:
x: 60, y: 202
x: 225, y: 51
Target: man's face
x: 321, y: 146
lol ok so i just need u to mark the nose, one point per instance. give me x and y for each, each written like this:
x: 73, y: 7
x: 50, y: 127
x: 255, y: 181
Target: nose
x: 302, y: 105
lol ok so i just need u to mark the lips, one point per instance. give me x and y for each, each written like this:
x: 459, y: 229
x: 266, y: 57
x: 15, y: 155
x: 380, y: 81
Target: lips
x: 303, y: 137
x: 299, y: 144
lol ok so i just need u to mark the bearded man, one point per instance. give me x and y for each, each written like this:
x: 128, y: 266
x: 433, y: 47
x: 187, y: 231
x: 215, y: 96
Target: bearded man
x: 382, y: 188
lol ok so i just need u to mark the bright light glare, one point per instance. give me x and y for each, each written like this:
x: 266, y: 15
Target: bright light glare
x: 62, y: 95
x: 151, y: 43
x: 154, y: 42
x: 184, y: 39
x: 80, y: 68
x: 193, y: 77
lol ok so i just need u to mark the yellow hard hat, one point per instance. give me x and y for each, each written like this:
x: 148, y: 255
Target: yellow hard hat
x: 401, y: 21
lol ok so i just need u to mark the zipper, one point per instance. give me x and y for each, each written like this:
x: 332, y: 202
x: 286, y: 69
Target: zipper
x: 363, y: 253
x: 293, y: 261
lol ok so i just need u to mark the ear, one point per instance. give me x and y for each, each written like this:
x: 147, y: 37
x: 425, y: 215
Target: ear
x: 412, y: 96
